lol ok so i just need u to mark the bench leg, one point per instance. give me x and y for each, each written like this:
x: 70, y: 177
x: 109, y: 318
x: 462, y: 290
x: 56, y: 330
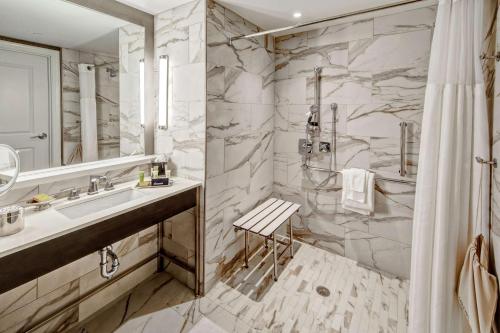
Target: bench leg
x: 265, y: 242
x: 246, y: 248
x: 275, y: 258
x: 291, y: 235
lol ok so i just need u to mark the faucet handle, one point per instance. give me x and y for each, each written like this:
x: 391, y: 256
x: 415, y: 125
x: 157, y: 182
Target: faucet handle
x: 74, y: 193
x: 109, y: 185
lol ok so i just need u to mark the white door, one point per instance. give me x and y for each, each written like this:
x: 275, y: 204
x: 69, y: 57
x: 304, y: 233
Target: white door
x: 26, y: 103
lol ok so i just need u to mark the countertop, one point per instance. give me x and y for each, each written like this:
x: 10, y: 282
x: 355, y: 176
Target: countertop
x: 41, y: 226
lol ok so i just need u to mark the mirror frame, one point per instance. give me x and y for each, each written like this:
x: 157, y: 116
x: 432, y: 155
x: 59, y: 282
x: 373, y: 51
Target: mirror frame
x: 5, y: 189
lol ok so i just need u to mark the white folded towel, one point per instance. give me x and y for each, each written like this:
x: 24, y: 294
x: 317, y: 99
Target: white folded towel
x: 361, y: 202
x: 356, y: 181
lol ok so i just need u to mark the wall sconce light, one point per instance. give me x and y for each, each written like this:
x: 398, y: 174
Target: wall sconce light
x: 141, y: 90
x: 163, y: 93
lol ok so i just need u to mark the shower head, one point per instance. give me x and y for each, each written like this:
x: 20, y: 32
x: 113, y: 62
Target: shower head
x: 313, y: 116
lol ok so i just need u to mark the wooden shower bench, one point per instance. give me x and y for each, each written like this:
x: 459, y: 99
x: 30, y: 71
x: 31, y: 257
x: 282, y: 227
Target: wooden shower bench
x: 264, y: 221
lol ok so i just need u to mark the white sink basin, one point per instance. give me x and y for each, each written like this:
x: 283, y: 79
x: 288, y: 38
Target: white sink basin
x: 98, y: 203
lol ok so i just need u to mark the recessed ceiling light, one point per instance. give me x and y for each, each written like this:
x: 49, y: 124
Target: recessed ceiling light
x: 297, y: 14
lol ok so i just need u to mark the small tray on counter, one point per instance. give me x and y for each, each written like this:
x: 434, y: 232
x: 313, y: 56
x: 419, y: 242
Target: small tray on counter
x: 39, y: 205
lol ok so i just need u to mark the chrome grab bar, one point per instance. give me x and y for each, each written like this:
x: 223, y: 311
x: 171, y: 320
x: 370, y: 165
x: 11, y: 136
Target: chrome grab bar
x: 402, y: 146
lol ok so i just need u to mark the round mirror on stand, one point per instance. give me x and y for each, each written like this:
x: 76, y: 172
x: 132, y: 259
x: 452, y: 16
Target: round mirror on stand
x: 9, y: 168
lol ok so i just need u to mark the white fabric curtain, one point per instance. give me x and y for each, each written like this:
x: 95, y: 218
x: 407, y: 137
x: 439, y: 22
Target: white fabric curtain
x: 88, y: 112
x: 454, y: 130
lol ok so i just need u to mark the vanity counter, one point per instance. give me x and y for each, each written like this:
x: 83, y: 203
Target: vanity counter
x: 51, y: 239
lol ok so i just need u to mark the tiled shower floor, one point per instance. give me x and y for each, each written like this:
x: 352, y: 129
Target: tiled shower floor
x: 247, y: 300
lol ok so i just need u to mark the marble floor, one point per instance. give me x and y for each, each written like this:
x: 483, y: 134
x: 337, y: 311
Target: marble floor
x: 317, y: 291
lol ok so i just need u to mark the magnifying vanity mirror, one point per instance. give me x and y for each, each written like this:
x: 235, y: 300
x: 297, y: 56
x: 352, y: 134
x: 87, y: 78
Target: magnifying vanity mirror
x: 9, y: 168
x: 70, y: 83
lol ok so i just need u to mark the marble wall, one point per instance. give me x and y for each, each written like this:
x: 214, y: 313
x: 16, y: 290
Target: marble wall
x: 376, y: 71
x: 25, y: 305
x: 240, y: 121
x: 107, y: 103
x: 131, y: 41
x: 180, y: 34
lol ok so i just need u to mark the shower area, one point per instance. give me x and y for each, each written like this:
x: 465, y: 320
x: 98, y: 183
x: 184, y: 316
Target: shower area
x: 287, y: 113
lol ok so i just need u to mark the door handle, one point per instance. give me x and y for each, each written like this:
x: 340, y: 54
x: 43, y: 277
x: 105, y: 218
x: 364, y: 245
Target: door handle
x: 41, y: 136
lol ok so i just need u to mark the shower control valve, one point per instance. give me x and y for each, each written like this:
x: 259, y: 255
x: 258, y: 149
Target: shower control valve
x: 305, y: 148
x: 324, y: 147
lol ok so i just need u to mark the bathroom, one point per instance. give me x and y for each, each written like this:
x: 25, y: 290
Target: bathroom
x: 192, y: 166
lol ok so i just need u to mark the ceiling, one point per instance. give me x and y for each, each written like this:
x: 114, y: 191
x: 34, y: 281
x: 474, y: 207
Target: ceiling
x: 59, y: 23
x: 270, y: 14
x: 154, y: 6
x: 279, y: 13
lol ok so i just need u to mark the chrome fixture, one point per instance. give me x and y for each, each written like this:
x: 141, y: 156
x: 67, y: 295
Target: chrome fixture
x: 324, y: 147
x: 325, y: 20
x: 11, y: 220
x: 312, y: 130
x: 496, y: 57
x: 94, y: 184
x: 73, y: 193
x: 387, y: 179
x: 314, y: 111
x: 402, y: 149
x: 109, y: 185
x: 313, y: 118
x: 115, y: 263
x: 493, y: 162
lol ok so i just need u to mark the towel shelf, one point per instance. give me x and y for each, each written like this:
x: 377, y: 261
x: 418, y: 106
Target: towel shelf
x: 395, y: 180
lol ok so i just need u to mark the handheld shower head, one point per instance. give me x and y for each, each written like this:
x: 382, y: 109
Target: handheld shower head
x: 313, y: 116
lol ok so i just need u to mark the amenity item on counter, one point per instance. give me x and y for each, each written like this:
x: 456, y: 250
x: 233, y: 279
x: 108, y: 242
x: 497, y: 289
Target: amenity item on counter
x: 11, y: 220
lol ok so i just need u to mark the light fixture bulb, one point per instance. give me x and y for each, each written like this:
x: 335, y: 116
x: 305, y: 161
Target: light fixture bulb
x: 163, y: 93
x: 141, y: 90
x: 297, y: 14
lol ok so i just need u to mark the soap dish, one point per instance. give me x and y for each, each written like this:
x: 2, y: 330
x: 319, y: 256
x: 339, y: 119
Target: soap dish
x: 40, y: 205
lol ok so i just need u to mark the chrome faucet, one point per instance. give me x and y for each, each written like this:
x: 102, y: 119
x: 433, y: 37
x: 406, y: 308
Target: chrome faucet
x: 94, y: 184
x: 96, y: 180
x: 73, y: 193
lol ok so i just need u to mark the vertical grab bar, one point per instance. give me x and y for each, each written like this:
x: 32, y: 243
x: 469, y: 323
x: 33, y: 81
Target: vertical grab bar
x: 402, y: 147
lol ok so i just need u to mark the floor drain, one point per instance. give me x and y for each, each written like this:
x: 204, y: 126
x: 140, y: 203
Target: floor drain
x: 323, y: 291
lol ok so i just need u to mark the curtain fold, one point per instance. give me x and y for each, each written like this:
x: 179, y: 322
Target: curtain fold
x: 454, y: 130
x: 88, y: 112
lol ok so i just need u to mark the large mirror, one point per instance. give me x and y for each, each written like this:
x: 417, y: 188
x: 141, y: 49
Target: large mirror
x: 70, y: 83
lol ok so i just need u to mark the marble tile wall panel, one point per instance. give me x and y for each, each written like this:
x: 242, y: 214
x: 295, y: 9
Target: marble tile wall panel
x: 107, y: 103
x: 376, y: 71
x: 240, y: 132
x: 23, y: 318
x: 131, y: 41
x: 180, y: 34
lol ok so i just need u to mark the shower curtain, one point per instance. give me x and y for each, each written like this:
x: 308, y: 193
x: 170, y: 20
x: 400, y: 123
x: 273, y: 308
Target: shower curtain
x: 88, y: 112
x: 454, y: 130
